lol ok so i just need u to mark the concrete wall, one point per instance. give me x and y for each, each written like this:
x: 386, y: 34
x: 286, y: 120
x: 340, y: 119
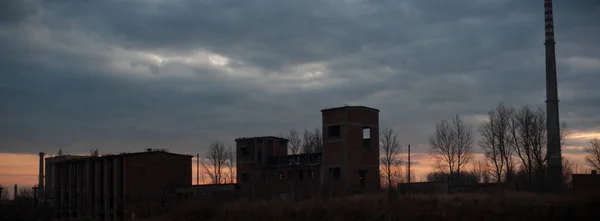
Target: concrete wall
x: 357, y: 159
x: 89, y: 187
x: 116, y: 186
x: 150, y: 180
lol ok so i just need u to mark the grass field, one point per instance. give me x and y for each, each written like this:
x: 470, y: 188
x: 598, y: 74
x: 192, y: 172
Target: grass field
x: 377, y: 207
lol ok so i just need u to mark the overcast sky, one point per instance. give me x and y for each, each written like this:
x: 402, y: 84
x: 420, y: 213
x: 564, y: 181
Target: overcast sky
x: 123, y: 76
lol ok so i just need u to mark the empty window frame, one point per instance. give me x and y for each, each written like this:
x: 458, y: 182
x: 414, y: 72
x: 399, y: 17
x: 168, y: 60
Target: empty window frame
x: 367, y: 137
x: 300, y: 175
x: 245, y: 151
x: 333, y: 131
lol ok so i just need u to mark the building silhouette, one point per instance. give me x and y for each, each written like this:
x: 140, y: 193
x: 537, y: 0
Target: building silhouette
x: 115, y: 187
x: 348, y: 162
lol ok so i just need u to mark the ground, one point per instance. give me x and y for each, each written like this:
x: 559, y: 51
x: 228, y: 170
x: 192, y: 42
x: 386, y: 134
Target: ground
x: 480, y: 207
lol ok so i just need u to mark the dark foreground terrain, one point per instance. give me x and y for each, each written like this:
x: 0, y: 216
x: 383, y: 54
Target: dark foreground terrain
x: 375, y: 207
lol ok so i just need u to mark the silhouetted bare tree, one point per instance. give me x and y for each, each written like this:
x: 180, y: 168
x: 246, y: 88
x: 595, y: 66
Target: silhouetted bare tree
x: 390, y: 157
x: 313, y: 141
x: 25, y: 192
x: 481, y: 171
x: 294, y: 141
x: 94, y: 152
x: 527, y: 139
x: 512, y: 135
x: 451, y: 146
x: 59, y: 152
x: 592, y: 157
x: 567, y: 172
x: 495, y: 136
x: 231, y: 167
x: 216, y: 156
x: 3, y: 194
x: 318, y: 140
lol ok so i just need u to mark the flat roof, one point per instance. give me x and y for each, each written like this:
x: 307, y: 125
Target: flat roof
x: 261, y: 137
x: 350, y: 107
x: 70, y: 158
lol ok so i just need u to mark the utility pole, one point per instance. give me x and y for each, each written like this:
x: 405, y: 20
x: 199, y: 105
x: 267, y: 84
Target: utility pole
x: 553, y: 154
x: 198, y: 169
x: 408, y: 183
x: 409, y: 164
x: 198, y: 174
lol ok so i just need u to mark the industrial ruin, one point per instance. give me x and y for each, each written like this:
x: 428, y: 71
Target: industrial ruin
x: 114, y: 187
x: 144, y: 184
x: 349, y: 162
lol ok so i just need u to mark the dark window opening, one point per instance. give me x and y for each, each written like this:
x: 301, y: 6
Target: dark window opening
x: 367, y: 137
x: 333, y: 131
x: 245, y: 177
x: 300, y: 174
x: 362, y: 176
x: 335, y: 172
x: 290, y: 174
x: 245, y: 151
x: 281, y: 175
x: 259, y: 156
x: 310, y: 173
x: 264, y: 176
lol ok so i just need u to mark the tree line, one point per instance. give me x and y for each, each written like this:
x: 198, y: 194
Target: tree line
x: 514, y: 143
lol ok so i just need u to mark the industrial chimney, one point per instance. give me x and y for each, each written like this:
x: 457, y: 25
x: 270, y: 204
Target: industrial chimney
x: 41, y: 178
x: 553, y: 153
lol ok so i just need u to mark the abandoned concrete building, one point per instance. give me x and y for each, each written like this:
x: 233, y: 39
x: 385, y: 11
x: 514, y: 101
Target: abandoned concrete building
x: 144, y: 184
x: 115, y: 187
x: 348, y: 163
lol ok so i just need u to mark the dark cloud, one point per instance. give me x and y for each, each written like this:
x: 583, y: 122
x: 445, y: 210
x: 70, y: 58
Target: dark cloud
x: 179, y: 74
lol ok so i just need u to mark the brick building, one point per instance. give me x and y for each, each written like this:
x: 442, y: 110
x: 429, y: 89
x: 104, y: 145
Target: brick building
x: 115, y: 187
x: 349, y: 162
x: 583, y: 183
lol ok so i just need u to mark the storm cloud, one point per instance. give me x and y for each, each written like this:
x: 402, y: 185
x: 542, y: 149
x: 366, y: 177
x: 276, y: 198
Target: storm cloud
x: 178, y: 74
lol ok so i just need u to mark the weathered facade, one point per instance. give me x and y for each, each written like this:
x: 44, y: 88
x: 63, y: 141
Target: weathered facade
x: 348, y: 163
x: 115, y: 187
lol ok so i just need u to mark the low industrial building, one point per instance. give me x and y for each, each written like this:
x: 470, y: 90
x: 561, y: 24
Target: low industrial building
x: 115, y: 187
x: 583, y: 183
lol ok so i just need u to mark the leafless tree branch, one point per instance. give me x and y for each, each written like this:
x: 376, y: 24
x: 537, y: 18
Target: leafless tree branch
x: 390, y: 159
x: 451, y: 146
x: 216, y: 156
x: 294, y: 141
x: 592, y: 157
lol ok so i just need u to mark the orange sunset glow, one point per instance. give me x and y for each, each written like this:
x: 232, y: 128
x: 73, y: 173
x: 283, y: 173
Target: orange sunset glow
x: 22, y: 169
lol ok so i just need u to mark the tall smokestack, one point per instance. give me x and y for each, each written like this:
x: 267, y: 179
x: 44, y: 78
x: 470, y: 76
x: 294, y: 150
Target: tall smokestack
x: 41, y: 178
x: 553, y: 153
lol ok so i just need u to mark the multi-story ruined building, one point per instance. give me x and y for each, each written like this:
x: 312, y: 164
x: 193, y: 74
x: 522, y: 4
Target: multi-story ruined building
x: 115, y: 187
x: 348, y: 163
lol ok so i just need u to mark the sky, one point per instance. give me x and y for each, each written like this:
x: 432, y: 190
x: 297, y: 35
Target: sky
x: 123, y: 76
